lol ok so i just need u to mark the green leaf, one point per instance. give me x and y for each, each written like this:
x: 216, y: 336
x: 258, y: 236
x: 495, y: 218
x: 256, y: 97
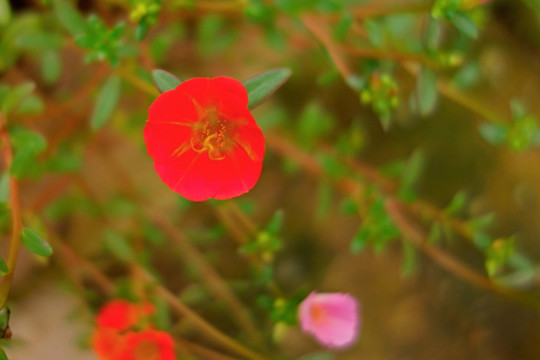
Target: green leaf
x: 467, y: 76
x: 313, y: 124
x: 28, y: 141
x: 413, y: 168
x: 482, y: 222
x: 31, y: 105
x: 457, y: 204
x: 518, y: 109
x: 409, y: 263
x: 51, y: 67
x: 498, y: 254
x: 359, y: 240
x: 70, y: 18
x: 465, y: 25
x: 324, y: 199
x: 276, y: 222
x: 375, y: 32
x: 164, y: 80
x: 119, y: 246
x: 39, y: 41
x: 13, y: 98
x: 4, y: 187
x: 214, y: 35
x: 3, y: 355
x: 332, y: 167
x: 5, y: 12
x: 35, y: 243
x: 426, y: 91
x: 318, y: 356
x: 494, y: 134
x: 342, y: 27
x: 261, y: 86
x: 432, y: 33
x: 4, y: 269
x: 522, y: 132
x: 106, y: 102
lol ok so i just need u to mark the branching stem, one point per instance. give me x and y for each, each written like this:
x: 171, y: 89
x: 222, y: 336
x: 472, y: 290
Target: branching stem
x: 16, y: 221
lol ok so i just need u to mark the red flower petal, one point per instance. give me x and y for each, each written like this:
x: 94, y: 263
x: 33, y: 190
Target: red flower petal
x: 217, y: 151
x: 232, y: 86
x: 121, y: 314
x: 107, y: 343
x: 188, y: 175
x: 147, y: 345
x: 238, y: 175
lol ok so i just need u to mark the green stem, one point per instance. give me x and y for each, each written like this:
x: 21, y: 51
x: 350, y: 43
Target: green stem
x: 196, y: 320
x: 15, y: 216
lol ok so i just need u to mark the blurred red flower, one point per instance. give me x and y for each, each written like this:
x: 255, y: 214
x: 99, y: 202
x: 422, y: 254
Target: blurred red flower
x: 121, y: 314
x: 203, y: 139
x: 147, y: 345
x: 124, y: 331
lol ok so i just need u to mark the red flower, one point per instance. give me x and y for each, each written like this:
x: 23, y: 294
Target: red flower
x: 107, y: 343
x: 147, y: 345
x: 121, y: 314
x: 113, y: 320
x: 203, y: 139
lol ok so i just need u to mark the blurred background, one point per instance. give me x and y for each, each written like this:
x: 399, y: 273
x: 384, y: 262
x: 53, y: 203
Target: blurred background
x: 404, y: 123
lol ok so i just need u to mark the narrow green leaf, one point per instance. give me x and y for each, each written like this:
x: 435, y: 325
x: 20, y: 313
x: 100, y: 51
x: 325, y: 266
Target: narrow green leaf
x: 35, y: 243
x: 3, y: 355
x: 4, y: 269
x: 4, y: 187
x: 28, y: 141
x: 342, y: 27
x: 518, y: 109
x: 324, y: 199
x: 426, y: 91
x: 13, y: 98
x: 413, y: 168
x: 119, y: 246
x: 457, y: 204
x: 359, y: 240
x: 375, y: 32
x: 494, y: 134
x: 51, y: 67
x: 5, y: 12
x: 431, y: 33
x: 465, y: 25
x: 164, y: 80
x: 276, y: 222
x: 70, y: 18
x: 261, y: 86
x: 467, y: 76
x: 409, y: 263
x: 31, y: 105
x: 318, y: 356
x: 106, y: 102
x: 39, y: 41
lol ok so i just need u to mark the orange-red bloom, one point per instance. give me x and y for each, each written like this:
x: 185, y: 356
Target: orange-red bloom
x: 121, y: 314
x: 147, y: 345
x: 203, y: 139
x: 124, y: 332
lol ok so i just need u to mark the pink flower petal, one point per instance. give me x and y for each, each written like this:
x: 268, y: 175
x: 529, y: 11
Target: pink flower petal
x: 332, y: 318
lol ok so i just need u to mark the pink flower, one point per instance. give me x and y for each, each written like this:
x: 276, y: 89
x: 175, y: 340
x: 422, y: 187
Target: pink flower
x: 332, y: 318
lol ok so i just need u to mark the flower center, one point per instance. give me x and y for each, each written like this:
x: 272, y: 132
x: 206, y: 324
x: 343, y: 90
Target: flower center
x: 146, y: 350
x: 317, y: 312
x: 212, y: 133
